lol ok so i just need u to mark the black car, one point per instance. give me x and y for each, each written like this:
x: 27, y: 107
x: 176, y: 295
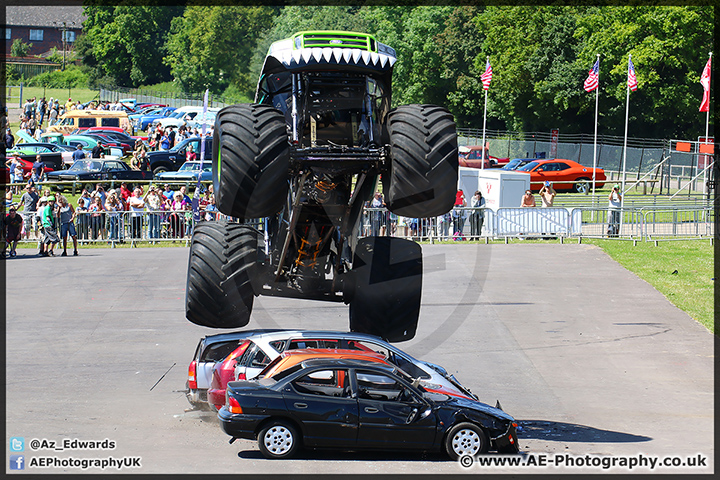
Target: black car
x: 51, y: 154
x: 95, y: 170
x: 353, y: 404
x: 171, y: 160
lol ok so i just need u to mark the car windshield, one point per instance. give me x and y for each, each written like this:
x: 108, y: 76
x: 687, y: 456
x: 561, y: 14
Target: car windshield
x: 193, y: 167
x: 528, y: 167
x: 85, y: 166
x: 512, y: 164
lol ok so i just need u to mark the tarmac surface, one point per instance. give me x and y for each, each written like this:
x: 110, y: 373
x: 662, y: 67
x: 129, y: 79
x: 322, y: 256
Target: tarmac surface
x: 594, y: 363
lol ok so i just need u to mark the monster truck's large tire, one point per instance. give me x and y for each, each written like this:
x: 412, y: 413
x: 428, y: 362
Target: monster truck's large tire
x: 423, y: 175
x: 250, y: 161
x: 384, y: 287
x: 222, y: 268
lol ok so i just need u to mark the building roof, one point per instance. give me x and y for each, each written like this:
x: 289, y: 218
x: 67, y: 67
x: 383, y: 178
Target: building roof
x: 44, y: 16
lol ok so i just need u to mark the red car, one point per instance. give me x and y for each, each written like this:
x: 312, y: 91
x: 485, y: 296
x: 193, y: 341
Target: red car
x: 112, y: 129
x: 563, y: 174
x: 27, y: 168
x: 472, y: 157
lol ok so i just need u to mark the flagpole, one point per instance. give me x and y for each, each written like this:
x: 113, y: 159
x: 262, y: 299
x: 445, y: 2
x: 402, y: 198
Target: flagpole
x: 597, y: 96
x: 627, y: 112
x: 482, y: 163
x: 707, y: 132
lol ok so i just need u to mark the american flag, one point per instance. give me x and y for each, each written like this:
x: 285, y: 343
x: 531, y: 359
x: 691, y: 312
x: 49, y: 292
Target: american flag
x: 487, y: 76
x: 632, y: 81
x: 592, y: 81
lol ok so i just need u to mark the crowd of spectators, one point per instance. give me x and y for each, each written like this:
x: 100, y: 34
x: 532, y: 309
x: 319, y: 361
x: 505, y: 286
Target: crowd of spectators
x: 146, y: 213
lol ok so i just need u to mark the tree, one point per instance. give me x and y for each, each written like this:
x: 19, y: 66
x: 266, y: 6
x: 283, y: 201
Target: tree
x: 126, y: 43
x: 211, y: 47
x: 293, y: 19
x: 20, y: 48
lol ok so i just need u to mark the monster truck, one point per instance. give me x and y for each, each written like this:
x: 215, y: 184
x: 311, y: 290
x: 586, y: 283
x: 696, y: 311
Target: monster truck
x: 305, y: 157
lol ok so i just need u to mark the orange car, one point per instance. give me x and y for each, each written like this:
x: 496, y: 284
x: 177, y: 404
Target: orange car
x: 290, y: 358
x: 563, y: 174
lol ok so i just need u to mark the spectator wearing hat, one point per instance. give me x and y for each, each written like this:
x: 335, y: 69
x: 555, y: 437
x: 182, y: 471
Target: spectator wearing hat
x: 50, y: 238
x: 78, y: 154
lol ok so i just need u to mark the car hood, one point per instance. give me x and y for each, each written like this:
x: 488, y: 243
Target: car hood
x: 176, y: 175
x: 461, y: 402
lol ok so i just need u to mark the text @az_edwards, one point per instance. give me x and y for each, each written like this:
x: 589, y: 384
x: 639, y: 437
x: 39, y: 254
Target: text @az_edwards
x: 71, y: 444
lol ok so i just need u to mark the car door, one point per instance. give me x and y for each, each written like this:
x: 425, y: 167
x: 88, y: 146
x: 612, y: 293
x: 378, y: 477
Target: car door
x: 252, y: 363
x: 391, y: 414
x: 322, y: 404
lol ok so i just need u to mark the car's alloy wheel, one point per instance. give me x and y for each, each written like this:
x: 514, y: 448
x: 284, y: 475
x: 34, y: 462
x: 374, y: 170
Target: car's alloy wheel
x: 278, y: 440
x: 582, y: 185
x: 465, y: 439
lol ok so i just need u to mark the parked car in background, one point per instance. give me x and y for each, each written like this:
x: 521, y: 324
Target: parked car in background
x: 92, y: 171
x: 357, y: 404
x: 144, y: 121
x: 49, y: 152
x: 564, y: 174
x: 27, y: 164
x: 516, y: 163
x: 210, y: 350
x: 197, y: 122
x: 182, y: 116
x: 472, y: 157
x: 188, y: 172
x: 171, y: 160
x: 74, y: 119
x: 118, y: 131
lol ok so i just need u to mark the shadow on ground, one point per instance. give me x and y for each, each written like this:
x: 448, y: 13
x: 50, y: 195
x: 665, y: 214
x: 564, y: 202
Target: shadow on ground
x: 571, y: 432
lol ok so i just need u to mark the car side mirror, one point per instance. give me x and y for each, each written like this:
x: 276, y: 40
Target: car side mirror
x: 412, y: 416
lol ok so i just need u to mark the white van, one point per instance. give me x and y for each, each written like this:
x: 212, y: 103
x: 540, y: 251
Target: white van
x: 182, y: 116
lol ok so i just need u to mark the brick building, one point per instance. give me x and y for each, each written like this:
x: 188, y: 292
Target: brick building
x: 43, y: 27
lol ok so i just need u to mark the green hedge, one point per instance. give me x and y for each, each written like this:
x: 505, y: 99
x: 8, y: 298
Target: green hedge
x: 72, y: 77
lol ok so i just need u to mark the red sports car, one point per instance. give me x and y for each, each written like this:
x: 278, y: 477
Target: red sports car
x: 563, y: 174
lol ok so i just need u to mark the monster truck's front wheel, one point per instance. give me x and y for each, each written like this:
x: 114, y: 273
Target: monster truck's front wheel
x: 384, y: 287
x: 423, y: 175
x: 223, y: 264
x: 250, y: 161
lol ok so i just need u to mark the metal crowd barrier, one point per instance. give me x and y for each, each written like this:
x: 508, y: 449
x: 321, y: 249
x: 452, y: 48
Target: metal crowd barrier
x: 644, y: 224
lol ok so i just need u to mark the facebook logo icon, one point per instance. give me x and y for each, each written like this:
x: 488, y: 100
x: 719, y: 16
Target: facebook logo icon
x: 17, y: 462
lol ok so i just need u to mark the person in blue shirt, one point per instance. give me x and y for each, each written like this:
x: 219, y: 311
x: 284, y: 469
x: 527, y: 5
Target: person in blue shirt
x: 78, y: 154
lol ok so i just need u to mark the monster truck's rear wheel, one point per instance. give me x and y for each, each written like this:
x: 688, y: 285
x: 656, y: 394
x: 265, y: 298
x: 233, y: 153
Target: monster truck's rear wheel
x: 424, y: 161
x: 384, y: 287
x: 223, y: 264
x: 250, y: 161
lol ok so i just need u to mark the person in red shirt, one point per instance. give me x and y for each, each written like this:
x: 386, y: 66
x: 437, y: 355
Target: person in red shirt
x: 125, y: 193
